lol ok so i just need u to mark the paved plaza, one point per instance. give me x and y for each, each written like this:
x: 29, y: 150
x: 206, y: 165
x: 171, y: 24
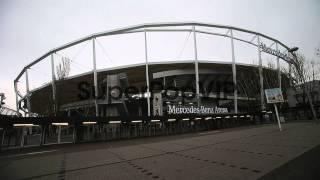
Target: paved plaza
x: 237, y: 153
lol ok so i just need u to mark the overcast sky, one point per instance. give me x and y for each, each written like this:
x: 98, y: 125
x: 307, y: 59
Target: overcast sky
x: 30, y: 28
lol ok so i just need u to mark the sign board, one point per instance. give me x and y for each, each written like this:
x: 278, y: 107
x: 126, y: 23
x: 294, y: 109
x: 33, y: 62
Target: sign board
x: 173, y: 109
x: 274, y: 95
x: 274, y: 52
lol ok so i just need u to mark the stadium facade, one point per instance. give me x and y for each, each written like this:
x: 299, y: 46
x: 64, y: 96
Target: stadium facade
x: 195, y: 86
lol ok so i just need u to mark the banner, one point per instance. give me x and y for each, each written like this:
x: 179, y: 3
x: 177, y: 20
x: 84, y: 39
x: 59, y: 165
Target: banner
x: 173, y: 109
x: 274, y: 95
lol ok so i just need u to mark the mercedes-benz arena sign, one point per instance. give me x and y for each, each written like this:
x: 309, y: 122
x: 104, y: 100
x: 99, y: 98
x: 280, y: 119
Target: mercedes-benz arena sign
x: 155, y: 70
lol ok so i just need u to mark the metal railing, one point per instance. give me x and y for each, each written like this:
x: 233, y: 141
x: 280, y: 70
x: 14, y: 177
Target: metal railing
x: 21, y: 132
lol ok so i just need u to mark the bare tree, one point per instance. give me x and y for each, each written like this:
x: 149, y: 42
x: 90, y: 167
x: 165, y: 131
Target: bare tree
x: 63, y: 68
x: 302, y: 73
x: 317, y: 51
x: 271, y: 64
x: 305, y: 69
x: 270, y: 75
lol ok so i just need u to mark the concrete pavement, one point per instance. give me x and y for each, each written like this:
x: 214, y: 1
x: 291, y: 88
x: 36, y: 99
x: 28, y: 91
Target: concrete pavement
x: 239, y: 153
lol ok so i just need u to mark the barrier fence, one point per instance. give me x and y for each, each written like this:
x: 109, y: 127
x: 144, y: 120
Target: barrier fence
x: 20, y: 132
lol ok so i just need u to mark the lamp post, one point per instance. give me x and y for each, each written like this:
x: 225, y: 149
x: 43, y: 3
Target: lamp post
x: 302, y: 78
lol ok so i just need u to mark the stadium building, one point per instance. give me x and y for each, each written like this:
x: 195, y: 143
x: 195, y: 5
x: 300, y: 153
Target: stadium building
x: 230, y: 83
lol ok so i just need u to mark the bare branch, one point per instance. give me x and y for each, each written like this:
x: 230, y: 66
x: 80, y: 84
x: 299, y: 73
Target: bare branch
x: 63, y: 68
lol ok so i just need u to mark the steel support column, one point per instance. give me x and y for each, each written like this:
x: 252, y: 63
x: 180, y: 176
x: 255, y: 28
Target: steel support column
x: 147, y: 70
x: 17, y: 97
x: 28, y: 92
x: 53, y: 85
x: 290, y: 77
x: 95, y: 77
x: 234, y: 75
x: 278, y: 67
x: 261, y: 75
x: 196, y: 65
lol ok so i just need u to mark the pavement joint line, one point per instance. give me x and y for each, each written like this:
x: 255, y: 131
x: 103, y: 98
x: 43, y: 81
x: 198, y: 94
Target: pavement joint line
x: 210, y: 132
x: 147, y: 147
x: 62, y: 171
x: 181, y: 144
x: 216, y: 162
x: 250, y: 152
x: 117, y: 155
x: 275, y: 145
x: 28, y: 154
x: 144, y: 171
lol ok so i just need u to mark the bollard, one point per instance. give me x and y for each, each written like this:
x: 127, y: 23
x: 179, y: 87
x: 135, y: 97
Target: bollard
x: 74, y: 135
x: 59, y: 134
x: 22, y: 137
x: 2, y: 139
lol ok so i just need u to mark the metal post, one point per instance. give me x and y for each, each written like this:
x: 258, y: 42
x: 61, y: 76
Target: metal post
x: 59, y: 134
x: 40, y: 137
x: 28, y: 92
x: 196, y: 64
x: 277, y: 114
x: 74, y: 134
x: 95, y: 76
x: 260, y: 75
x: 22, y: 137
x: 278, y: 68
x: 147, y: 70
x: 234, y: 75
x: 17, y: 97
x: 290, y: 77
x: 53, y: 85
x: 3, y: 135
x: 43, y: 135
